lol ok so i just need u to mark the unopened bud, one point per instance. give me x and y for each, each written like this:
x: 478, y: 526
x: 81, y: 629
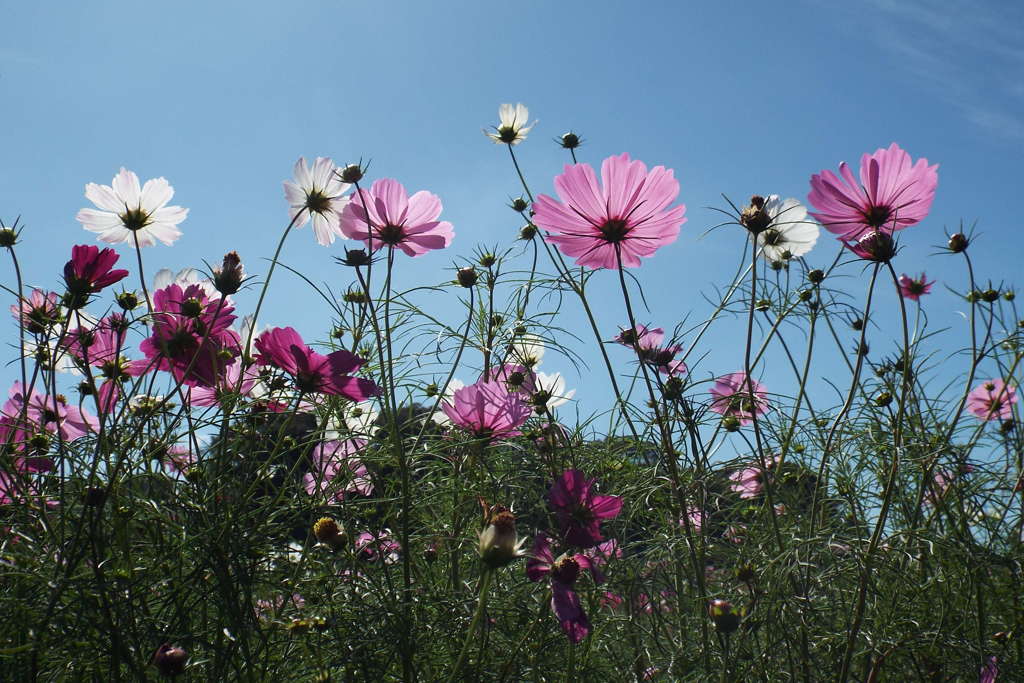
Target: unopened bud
x: 725, y: 617
x: 883, y: 399
x: 816, y: 276
x: 990, y: 295
x: 730, y: 423
x: 528, y: 232
x: 519, y: 204
x: 958, y: 242
x: 487, y: 260
x: 228, y: 278
x: 570, y: 140
x: 8, y: 238
x: 763, y: 305
x: 128, y: 301
x: 352, y: 173
x: 466, y: 277
x: 170, y: 659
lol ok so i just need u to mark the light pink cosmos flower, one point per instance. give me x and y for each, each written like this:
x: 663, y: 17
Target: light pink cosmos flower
x: 38, y: 312
x: 914, y: 288
x: 102, y: 346
x: 731, y: 395
x: 992, y: 400
x: 380, y: 546
x: 625, y: 217
x: 336, y: 473
x: 648, y: 341
x: 748, y: 482
x: 128, y: 212
x: 892, y: 194
x: 487, y: 410
x: 317, y: 194
x: 990, y: 671
x: 386, y: 215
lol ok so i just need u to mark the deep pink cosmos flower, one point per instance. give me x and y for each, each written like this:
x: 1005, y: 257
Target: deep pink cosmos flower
x: 386, y: 216
x: 914, y: 288
x: 90, y: 270
x: 283, y: 348
x: 562, y: 572
x: 37, y: 313
x: 992, y: 400
x: 192, y: 336
x: 737, y: 395
x: 487, y: 410
x: 892, y: 194
x: 336, y: 473
x: 625, y: 217
x: 579, y: 509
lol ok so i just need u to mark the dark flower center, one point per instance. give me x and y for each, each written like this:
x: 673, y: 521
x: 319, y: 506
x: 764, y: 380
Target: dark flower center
x: 317, y: 201
x: 741, y: 404
x: 565, y: 570
x: 916, y: 287
x: 541, y: 398
x: 773, y: 237
x: 614, y: 230
x: 516, y: 379
x: 135, y: 219
x: 391, y: 234
x: 308, y: 381
x: 507, y: 134
x: 877, y: 216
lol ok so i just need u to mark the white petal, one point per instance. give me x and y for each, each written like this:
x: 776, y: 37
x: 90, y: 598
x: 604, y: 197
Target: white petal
x: 103, y: 196
x: 126, y: 187
x: 172, y: 215
x: 155, y: 193
x: 98, y: 221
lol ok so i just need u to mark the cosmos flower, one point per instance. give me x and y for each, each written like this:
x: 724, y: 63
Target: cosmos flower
x: 748, y: 481
x: 579, y: 509
x: 512, y: 127
x: 89, y: 271
x: 892, y: 194
x: 282, y: 347
x: 914, y: 288
x: 625, y: 217
x: 38, y: 312
x: 731, y: 395
x: 317, y: 194
x: 780, y: 227
x: 128, y: 213
x: 487, y: 410
x: 562, y: 573
x: 102, y: 345
x: 992, y: 400
x: 385, y: 215
x: 336, y: 473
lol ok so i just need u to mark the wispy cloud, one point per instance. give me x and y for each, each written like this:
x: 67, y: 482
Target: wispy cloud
x: 969, y: 52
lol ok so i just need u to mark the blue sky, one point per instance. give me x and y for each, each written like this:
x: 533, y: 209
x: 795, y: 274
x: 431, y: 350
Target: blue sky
x: 221, y: 98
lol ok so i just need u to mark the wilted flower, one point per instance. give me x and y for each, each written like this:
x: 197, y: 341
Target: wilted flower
x: 992, y: 400
x: 624, y: 218
x: 327, y: 531
x: 914, y: 289
x: 892, y: 194
x: 170, y: 659
x: 579, y: 509
x: 317, y: 193
x: 499, y: 542
x: 736, y: 395
x: 385, y: 215
x: 512, y: 127
x: 229, y: 277
x: 129, y: 213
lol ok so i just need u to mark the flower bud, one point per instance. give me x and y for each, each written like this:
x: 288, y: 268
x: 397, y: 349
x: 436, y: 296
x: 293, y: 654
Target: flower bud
x: 730, y: 423
x: 816, y: 276
x: 8, y: 238
x: 763, y: 305
x: 430, y: 553
x: 487, y: 260
x: 883, y: 399
x: 519, y: 204
x: 499, y: 543
x: 958, y: 242
x: 990, y: 295
x: 354, y: 296
x: 857, y: 324
x: 805, y: 295
x: 352, y: 173
x: 328, y: 532
x: 528, y: 232
x: 1009, y: 295
x: 191, y: 308
x: 875, y: 246
x: 973, y: 296
x: 94, y: 496
x: 466, y: 276
x: 725, y: 617
x: 128, y: 301
x: 170, y: 660
x: 356, y: 257
x: 570, y: 140
x: 228, y: 278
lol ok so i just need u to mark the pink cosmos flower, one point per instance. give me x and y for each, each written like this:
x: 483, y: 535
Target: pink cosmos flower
x: 623, y: 218
x: 892, y: 194
x: 914, y: 289
x: 233, y: 381
x: 336, y: 472
x: 990, y: 671
x: 179, y: 459
x: 992, y: 400
x: 45, y: 412
x: 387, y: 216
x: 101, y: 346
x: 943, y: 478
x: 129, y: 212
x: 696, y: 517
x: 648, y: 341
x: 487, y: 410
x: 192, y: 336
x: 372, y: 547
x: 317, y: 194
x: 37, y: 313
x: 731, y: 395
x: 89, y: 271
x: 562, y: 572
x: 579, y: 509
x: 282, y: 347
x: 748, y: 482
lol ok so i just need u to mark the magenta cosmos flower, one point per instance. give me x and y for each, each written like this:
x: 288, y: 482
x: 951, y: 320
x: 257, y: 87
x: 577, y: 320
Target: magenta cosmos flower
x: 739, y: 396
x: 914, y: 288
x: 487, y: 410
x: 283, y: 348
x: 385, y: 215
x: 625, y: 217
x: 128, y: 212
x: 89, y: 271
x: 992, y: 400
x: 892, y: 194
x: 580, y: 510
x: 562, y: 572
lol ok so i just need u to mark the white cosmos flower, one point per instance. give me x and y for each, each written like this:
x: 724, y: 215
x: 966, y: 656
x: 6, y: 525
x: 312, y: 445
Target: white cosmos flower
x: 317, y: 193
x: 553, y: 386
x: 127, y: 210
x: 790, y: 234
x: 358, y: 420
x: 526, y: 350
x: 513, y: 127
